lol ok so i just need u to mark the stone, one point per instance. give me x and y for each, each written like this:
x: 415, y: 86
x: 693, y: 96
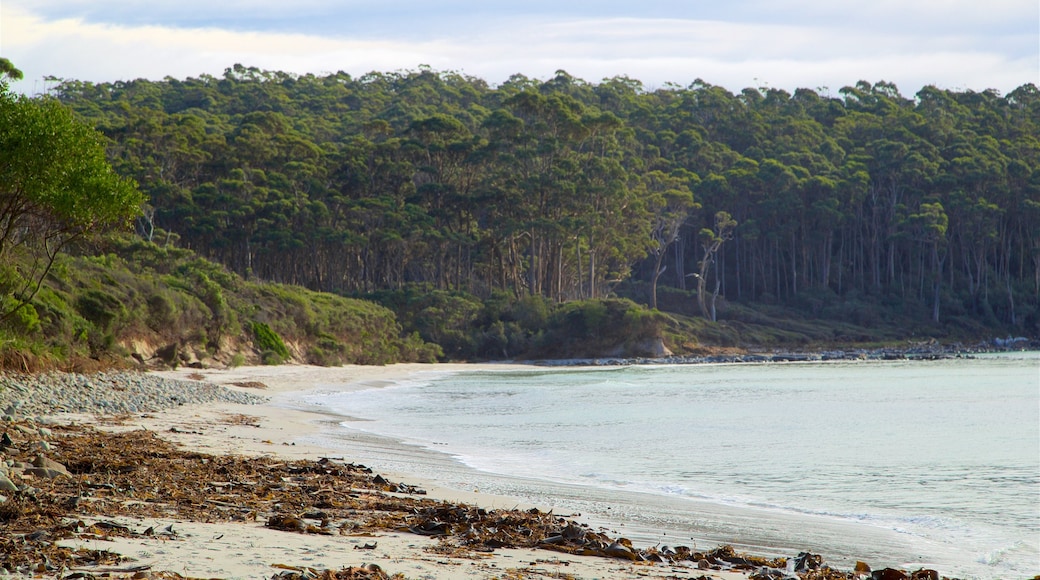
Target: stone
x: 44, y: 463
x: 6, y: 484
x: 46, y: 472
x: 807, y: 561
x: 889, y: 574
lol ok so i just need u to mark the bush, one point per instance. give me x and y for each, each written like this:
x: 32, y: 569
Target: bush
x: 269, y: 344
x: 162, y: 314
x: 99, y: 307
x: 25, y: 320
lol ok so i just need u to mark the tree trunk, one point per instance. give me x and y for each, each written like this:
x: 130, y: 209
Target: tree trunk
x: 658, y: 270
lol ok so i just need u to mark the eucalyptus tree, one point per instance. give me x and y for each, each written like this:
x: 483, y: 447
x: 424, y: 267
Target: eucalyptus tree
x: 671, y: 202
x: 711, y: 241
x: 932, y: 224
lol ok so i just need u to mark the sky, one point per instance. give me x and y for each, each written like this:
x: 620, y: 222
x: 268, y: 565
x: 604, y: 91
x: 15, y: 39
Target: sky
x: 787, y: 44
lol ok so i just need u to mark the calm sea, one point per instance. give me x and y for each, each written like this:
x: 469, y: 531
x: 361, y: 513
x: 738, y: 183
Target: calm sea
x: 933, y: 464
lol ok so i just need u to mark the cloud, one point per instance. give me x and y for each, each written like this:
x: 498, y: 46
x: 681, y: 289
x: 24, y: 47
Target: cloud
x: 833, y: 48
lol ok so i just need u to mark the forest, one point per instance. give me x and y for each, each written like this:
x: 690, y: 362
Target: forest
x: 922, y: 208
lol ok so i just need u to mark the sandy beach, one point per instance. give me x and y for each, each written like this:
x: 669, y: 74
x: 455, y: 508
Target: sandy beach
x: 253, y: 549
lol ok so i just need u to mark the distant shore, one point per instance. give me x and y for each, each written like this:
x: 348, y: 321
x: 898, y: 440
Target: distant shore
x: 929, y: 350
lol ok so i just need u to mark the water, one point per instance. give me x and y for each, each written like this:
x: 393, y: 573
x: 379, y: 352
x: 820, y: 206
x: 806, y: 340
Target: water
x: 908, y: 464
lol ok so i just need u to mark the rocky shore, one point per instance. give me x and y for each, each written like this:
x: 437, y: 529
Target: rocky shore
x: 112, y: 393
x: 923, y: 351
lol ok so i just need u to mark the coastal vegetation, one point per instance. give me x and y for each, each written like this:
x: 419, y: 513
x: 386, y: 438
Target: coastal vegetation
x: 421, y: 215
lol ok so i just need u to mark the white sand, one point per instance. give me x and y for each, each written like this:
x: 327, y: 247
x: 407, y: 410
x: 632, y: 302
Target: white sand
x: 250, y: 550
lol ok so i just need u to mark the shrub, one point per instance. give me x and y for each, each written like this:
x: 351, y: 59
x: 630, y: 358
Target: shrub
x: 270, y: 345
x: 99, y: 307
x: 161, y: 312
x: 25, y: 320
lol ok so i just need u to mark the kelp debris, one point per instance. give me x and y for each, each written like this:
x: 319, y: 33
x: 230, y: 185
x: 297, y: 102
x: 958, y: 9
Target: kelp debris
x: 367, y: 572
x: 135, y: 474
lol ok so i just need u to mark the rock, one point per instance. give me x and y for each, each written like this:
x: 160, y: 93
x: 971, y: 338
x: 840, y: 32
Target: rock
x: 6, y: 441
x: 807, y: 561
x: 44, y: 463
x: 889, y: 574
x: 862, y: 568
x: 619, y: 550
x: 46, y: 472
x: 6, y: 484
x: 25, y: 429
x: 40, y: 446
x: 925, y: 574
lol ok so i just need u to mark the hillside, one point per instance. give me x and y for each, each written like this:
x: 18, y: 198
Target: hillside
x: 432, y: 217
x: 920, y: 212
x: 134, y: 303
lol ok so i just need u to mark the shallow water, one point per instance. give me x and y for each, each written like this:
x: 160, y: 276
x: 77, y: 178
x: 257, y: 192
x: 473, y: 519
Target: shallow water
x: 897, y: 463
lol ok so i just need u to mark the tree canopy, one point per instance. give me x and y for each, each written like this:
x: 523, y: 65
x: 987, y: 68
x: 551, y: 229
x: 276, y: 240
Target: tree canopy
x: 56, y: 187
x: 564, y: 188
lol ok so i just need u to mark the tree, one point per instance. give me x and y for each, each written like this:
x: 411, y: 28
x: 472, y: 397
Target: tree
x: 8, y: 70
x: 932, y: 223
x: 671, y: 200
x: 56, y: 187
x: 711, y: 241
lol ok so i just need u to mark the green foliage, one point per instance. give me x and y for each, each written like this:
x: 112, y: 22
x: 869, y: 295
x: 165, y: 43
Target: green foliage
x: 606, y: 327
x: 167, y: 305
x: 99, y: 307
x: 530, y: 327
x: 162, y: 313
x: 56, y: 187
x: 452, y: 202
x: 25, y: 320
x: 270, y: 345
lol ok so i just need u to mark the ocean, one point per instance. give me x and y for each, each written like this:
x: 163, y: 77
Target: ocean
x: 897, y: 463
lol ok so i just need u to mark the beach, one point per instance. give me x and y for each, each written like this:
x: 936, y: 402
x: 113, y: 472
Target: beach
x: 254, y: 549
x: 254, y: 422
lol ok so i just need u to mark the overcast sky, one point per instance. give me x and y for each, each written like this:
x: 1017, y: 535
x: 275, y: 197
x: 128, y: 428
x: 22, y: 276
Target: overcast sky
x: 818, y: 44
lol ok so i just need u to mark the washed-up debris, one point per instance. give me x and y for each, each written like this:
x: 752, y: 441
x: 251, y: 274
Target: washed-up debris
x: 249, y: 384
x: 108, y: 478
x: 367, y: 572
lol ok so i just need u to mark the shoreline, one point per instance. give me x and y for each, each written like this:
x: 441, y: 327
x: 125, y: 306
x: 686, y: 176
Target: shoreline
x: 271, y: 431
x: 919, y: 352
x: 616, y: 509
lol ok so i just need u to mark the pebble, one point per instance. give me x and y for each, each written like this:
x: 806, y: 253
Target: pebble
x: 110, y: 393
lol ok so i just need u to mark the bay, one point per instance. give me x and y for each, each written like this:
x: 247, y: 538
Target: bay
x: 901, y: 463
